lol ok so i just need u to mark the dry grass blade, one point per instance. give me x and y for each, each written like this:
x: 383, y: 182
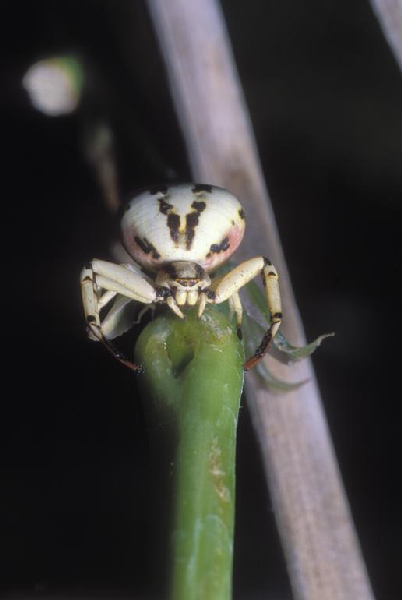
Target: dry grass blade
x: 312, y: 512
x: 389, y: 14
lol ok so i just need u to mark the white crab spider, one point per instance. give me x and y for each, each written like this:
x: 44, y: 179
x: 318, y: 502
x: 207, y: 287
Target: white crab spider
x: 181, y: 234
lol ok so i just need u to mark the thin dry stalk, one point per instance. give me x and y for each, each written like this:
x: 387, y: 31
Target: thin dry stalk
x: 313, y: 517
x: 389, y: 14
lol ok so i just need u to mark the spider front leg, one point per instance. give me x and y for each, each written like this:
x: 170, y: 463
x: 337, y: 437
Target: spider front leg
x: 113, y: 279
x: 230, y: 284
x: 236, y: 308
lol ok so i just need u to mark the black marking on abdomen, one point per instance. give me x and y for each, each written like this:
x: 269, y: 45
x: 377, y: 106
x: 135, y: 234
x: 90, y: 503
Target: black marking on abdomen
x: 173, y: 219
x: 147, y: 247
x: 192, y: 221
x: 156, y: 189
x: 202, y: 187
x: 173, y: 222
x: 217, y: 248
x: 164, y: 207
x: 198, y: 205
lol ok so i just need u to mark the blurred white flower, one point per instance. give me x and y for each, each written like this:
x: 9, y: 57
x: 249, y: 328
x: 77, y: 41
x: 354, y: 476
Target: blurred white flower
x: 54, y: 85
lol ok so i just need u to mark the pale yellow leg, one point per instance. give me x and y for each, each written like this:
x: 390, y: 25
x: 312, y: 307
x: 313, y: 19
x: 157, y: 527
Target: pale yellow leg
x: 233, y: 281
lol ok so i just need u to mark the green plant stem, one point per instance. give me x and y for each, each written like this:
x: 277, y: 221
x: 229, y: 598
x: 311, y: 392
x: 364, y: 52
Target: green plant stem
x: 314, y: 521
x: 192, y: 382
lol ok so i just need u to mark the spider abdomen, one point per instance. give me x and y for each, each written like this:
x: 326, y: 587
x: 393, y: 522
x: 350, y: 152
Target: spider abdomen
x: 188, y: 222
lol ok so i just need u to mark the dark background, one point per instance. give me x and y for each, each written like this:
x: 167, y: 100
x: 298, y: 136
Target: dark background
x: 325, y: 97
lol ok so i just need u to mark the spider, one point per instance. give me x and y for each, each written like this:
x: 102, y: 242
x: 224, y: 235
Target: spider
x: 180, y: 234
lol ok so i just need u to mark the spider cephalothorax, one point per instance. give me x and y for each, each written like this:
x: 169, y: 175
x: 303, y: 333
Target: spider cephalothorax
x: 180, y: 234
